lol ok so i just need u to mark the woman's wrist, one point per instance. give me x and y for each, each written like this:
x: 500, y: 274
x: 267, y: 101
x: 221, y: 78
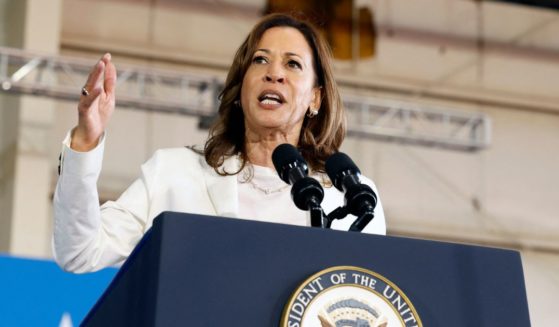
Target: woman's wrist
x: 81, y: 143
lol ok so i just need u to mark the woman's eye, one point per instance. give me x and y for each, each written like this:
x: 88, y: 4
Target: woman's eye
x: 294, y: 64
x: 259, y: 60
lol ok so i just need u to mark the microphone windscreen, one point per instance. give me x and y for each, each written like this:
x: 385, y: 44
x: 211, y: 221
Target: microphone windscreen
x: 284, y: 156
x: 338, y: 165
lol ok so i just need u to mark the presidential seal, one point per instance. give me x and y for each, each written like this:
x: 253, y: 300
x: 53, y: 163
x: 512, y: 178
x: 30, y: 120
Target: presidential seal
x: 347, y: 296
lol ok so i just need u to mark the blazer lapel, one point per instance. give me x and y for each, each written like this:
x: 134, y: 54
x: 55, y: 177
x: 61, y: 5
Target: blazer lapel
x: 223, y: 190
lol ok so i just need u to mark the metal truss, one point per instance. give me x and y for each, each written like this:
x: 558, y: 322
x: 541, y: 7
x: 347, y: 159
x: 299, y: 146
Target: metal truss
x: 59, y: 77
x: 411, y: 123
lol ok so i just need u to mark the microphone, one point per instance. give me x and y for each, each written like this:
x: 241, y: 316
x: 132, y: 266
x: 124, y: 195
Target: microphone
x: 360, y: 199
x: 306, y: 192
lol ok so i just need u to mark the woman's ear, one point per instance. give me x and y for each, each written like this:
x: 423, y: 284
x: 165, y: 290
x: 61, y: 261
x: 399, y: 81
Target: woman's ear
x: 317, y: 98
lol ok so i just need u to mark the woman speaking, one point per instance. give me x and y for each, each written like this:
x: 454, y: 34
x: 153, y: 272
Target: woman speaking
x: 279, y: 89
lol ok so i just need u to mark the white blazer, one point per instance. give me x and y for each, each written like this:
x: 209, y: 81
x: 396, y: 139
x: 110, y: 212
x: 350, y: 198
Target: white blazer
x: 88, y: 237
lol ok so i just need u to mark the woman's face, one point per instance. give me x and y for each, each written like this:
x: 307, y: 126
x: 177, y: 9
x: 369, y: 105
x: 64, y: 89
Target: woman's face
x: 279, y: 85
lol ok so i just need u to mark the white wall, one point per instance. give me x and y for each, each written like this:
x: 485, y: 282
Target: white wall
x: 26, y: 126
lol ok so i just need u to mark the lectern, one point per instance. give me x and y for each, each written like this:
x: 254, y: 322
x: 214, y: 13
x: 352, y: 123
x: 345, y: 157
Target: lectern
x: 193, y: 270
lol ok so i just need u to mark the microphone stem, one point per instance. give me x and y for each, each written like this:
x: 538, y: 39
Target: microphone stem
x: 363, y: 219
x: 317, y: 214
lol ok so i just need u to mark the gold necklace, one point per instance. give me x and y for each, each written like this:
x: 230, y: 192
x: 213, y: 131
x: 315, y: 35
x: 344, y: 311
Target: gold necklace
x: 268, y: 191
x: 247, y: 177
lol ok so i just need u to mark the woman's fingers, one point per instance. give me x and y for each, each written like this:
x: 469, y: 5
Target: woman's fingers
x: 101, y: 81
x: 91, y: 77
x: 95, y: 84
x: 96, y: 107
x: 98, y: 80
x: 86, y: 101
x: 94, y: 75
x: 110, y: 76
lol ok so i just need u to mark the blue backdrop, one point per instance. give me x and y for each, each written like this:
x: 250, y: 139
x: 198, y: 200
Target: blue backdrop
x: 38, y: 293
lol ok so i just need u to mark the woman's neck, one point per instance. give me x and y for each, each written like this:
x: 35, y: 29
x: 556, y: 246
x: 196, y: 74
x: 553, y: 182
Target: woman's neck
x: 259, y: 148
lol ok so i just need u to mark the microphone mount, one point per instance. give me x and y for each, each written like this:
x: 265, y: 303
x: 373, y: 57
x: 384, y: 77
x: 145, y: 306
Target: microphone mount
x: 360, y: 199
x: 306, y: 192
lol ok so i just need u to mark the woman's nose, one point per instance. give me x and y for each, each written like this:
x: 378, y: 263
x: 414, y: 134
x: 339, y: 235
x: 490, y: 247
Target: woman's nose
x: 274, y: 78
x: 275, y: 74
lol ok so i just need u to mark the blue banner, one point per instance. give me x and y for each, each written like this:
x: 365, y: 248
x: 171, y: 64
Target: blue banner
x: 38, y: 293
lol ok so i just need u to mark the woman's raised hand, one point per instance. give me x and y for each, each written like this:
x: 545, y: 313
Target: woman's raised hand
x: 96, y: 105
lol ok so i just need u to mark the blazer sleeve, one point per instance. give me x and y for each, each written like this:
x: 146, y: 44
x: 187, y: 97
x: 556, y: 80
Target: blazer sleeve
x: 86, y: 236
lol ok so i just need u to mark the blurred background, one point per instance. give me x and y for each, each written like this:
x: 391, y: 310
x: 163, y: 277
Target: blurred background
x: 453, y: 108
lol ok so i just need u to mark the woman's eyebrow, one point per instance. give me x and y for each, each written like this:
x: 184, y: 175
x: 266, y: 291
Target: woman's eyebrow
x: 289, y: 54
x: 286, y: 54
x: 293, y: 54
